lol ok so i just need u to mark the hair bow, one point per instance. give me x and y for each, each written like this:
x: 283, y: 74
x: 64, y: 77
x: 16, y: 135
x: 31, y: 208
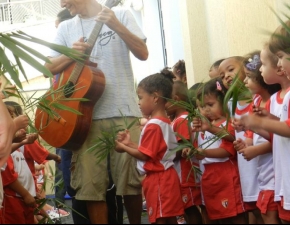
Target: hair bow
x: 253, y: 63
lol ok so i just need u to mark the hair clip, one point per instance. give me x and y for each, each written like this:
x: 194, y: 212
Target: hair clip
x: 253, y: 63
x: 218, y: 86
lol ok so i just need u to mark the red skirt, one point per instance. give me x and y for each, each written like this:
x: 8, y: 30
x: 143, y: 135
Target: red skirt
x: 221, y: 189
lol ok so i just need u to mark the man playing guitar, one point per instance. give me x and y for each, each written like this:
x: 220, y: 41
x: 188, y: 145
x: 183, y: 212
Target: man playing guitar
x: 118, y: 36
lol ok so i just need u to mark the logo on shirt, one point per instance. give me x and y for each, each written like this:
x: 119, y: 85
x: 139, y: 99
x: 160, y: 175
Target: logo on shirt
x: 150, y: 211
x: 225, y: 203
x: 202, y: 135
x: 106, y: 37
x: 285, y: 108
x: 185, y: 198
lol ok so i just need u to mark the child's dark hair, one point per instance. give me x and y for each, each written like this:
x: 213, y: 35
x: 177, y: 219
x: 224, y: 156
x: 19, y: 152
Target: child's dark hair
x: 216, y: 63
x: 253, y: 64
x: 64, y: 15
x: 193, y: 90
x: 160, y: 82
x: 279, y: 40
x: 17, y: 108
x: 181, y: 90
x: 180, y: 68
x: 213, y: 87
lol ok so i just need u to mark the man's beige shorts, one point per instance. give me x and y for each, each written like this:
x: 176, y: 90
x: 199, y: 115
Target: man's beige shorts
x: 90, y: 178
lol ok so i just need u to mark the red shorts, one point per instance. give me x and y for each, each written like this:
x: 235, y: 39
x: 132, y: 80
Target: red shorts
x: 221, y: 189
x: 163, y: 195
x: 15, y: 211
x: 191, y: 196
x: 283, y: 214
x: 250, y: 206
x: 266, y: 201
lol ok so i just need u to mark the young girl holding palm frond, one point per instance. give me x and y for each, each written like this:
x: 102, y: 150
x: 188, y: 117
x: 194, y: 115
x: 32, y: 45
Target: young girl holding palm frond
x: 255, y: 148
x: 161, y: 184
x: 221, y: 188
x: 275, y: 126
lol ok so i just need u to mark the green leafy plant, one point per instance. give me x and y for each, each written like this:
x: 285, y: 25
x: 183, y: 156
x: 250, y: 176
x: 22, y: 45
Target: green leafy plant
x: 105, y: 143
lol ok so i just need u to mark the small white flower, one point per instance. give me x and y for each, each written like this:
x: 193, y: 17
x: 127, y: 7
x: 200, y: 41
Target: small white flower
x: 250, y: 60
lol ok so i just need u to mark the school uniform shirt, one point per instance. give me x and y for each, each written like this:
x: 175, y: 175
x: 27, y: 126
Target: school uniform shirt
x: 184, y: 166
x: 190, y: 182
x: 157, y: 140
x: 8, y: 176
x: 220, y: 184
x: 265, y: 162
x: 14, y: 209
x: 275, y: 107
x: 247, y: 169
x: 282, y: 156
x: 34, y: 153
x: 17, y: 169
x: 161, y: 184
x: 24, y: 174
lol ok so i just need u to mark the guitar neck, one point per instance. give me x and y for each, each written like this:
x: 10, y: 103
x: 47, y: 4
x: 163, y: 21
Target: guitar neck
x: 94, y: 36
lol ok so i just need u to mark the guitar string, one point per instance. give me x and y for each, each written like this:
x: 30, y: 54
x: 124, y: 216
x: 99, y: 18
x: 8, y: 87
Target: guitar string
x: 85, y: 39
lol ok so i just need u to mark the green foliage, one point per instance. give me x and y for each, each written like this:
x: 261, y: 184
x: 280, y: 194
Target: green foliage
x: 105, y: 143
x: 22, y: 52
x: 237, y: 92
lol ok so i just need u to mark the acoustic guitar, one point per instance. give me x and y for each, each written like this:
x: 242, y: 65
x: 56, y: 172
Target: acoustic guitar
x: 63, y: 128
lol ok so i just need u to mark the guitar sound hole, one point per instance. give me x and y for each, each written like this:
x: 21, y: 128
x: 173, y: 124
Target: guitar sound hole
x: 69, y: 89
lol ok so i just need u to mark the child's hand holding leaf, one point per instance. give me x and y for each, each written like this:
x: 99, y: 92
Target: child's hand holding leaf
x: 239, y: 144
x: 200, y: 155
x: 123, y: 139
x: 238, y: 125
x: 200, y: 125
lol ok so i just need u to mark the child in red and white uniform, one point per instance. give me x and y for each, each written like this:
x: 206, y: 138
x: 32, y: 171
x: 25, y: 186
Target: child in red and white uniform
x: 221, y: 187
x: 279, y: 125
x: 190, y: 181
x: 255, y: 146
x: 19, y: 191
x: 154, y: 153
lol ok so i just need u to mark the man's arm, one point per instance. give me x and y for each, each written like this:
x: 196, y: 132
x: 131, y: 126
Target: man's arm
x: 60, y: 63
x: 136, y: 45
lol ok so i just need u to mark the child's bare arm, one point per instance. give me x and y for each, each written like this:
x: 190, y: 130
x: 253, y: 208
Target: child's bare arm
x: 201, y: 125
x: 30, y: 138
x: 260, y: 124
x: 252, y: 152
x: 19, y: 189
x: 55, y: 157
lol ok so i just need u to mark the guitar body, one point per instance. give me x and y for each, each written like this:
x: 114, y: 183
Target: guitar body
x: 66, y: 129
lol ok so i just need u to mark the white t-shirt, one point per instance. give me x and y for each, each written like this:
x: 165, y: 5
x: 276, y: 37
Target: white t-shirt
x: 248, y: 169
x: 275, y: 106
x: 265, y: 163
x: 24, y: 174
x: 112, y: 56
x: 282, y: 156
